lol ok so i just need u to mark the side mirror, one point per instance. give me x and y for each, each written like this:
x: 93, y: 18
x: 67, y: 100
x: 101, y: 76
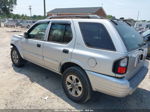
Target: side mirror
x: 26, y: 35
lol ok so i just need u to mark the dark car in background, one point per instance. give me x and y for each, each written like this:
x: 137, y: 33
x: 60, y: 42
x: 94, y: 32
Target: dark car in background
x: 146, y: 36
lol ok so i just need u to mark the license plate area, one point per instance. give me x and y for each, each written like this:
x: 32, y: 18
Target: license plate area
x: 139, y: 58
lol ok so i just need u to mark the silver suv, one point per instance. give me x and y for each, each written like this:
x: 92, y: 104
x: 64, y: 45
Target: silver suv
x: 101, y: 55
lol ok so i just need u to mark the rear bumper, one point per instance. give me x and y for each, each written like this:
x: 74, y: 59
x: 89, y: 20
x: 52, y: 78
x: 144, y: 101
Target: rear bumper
x: 114, y: 86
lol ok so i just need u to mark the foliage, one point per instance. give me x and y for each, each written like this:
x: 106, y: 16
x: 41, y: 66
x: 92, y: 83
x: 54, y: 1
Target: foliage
x: 37, y: 17
x: 22, y: 17
x: 110, y: 17
x: 6, y: 6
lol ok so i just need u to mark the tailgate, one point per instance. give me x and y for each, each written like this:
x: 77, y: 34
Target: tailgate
x: 136, y: 61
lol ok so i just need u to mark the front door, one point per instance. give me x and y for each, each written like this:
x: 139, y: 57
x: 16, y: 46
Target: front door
x: 33, y: 46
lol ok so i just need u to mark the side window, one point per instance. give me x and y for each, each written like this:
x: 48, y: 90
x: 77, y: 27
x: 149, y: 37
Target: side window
x: 38, y: 32
x: 60, y: 33
x: 95, y: 35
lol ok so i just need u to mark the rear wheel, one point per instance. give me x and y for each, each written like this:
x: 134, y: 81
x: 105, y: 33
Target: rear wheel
x: 76, y: 85
x: 16, y: 58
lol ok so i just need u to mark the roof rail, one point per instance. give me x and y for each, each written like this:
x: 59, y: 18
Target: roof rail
x: 75, y: 16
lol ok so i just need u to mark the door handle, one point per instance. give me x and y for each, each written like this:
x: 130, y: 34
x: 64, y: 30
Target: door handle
x: 38, y: 45
x: 66, y: 51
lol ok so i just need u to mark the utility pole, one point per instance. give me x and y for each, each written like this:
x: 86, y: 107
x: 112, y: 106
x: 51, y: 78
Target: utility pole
x: 138, y: 15
x: 30, y: 9
x: 102, y: 4
x: 44, y: 7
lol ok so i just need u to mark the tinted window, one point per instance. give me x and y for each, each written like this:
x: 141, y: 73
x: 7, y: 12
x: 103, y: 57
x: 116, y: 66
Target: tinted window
x: 95, y: 35
x: 38, y: 32
x: 132, y: 39
x: 60, y: 33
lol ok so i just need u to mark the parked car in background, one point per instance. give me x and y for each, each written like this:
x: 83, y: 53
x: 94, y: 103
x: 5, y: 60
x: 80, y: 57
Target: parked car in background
x: 18, y: 22
x: 10, y: 23
x: 27, y: 23
x: 146, y: 36
x: 142, y: 26
x: 147, y: 27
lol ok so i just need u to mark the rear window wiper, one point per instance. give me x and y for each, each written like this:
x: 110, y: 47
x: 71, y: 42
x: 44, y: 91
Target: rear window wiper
x: 127, y: 23
x: 114, y: 22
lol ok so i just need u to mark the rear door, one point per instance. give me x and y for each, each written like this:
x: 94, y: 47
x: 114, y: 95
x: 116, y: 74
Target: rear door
x: 59, y: 45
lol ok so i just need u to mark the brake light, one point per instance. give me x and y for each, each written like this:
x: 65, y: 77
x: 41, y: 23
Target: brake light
x: 121, y: 70
x: 120, y: 66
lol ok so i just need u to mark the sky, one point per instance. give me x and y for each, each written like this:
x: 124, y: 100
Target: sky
x: 117, y: 8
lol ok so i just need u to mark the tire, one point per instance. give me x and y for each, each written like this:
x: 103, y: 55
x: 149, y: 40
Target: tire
x: 16, y: 58
x: 80, y: 84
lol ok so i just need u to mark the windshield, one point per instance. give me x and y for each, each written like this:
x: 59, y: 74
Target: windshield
x: 131, y: 38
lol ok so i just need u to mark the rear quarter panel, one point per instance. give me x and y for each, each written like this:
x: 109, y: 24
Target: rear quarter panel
x: 97, y: 60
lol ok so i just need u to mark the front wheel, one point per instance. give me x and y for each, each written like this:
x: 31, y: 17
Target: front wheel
x: 76, y: 85
x: 16, y: 58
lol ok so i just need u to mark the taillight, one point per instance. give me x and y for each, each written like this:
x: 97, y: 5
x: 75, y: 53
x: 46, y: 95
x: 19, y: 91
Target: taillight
x: 120, y: 66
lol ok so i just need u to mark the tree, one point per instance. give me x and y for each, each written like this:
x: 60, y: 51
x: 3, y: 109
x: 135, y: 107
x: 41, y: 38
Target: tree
x: 6, y: 6
x: 111, y: 17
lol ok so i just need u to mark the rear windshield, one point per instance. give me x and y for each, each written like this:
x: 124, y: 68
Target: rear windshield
x: 131, y: 38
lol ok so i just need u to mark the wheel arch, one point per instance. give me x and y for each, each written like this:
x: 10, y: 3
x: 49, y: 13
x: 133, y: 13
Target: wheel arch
x: 13, y: 45
x: 67, y: 65
x: 72, y: 64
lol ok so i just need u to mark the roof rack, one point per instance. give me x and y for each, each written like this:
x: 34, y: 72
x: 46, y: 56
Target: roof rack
x: 114, y: 21
x: 75, y: 16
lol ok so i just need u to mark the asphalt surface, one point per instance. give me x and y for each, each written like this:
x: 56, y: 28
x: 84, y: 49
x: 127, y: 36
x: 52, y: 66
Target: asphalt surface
x: 33, y: 87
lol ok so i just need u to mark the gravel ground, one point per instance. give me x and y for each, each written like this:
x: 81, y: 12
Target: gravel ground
x: 33, y: 87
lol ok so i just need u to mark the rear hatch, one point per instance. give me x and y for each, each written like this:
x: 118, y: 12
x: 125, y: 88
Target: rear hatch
x: 136, y: 48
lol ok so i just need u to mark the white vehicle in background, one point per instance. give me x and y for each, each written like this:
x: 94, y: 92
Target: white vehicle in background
x: 142, y: 26
x: 10, y: 23
x: 27, y: 23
